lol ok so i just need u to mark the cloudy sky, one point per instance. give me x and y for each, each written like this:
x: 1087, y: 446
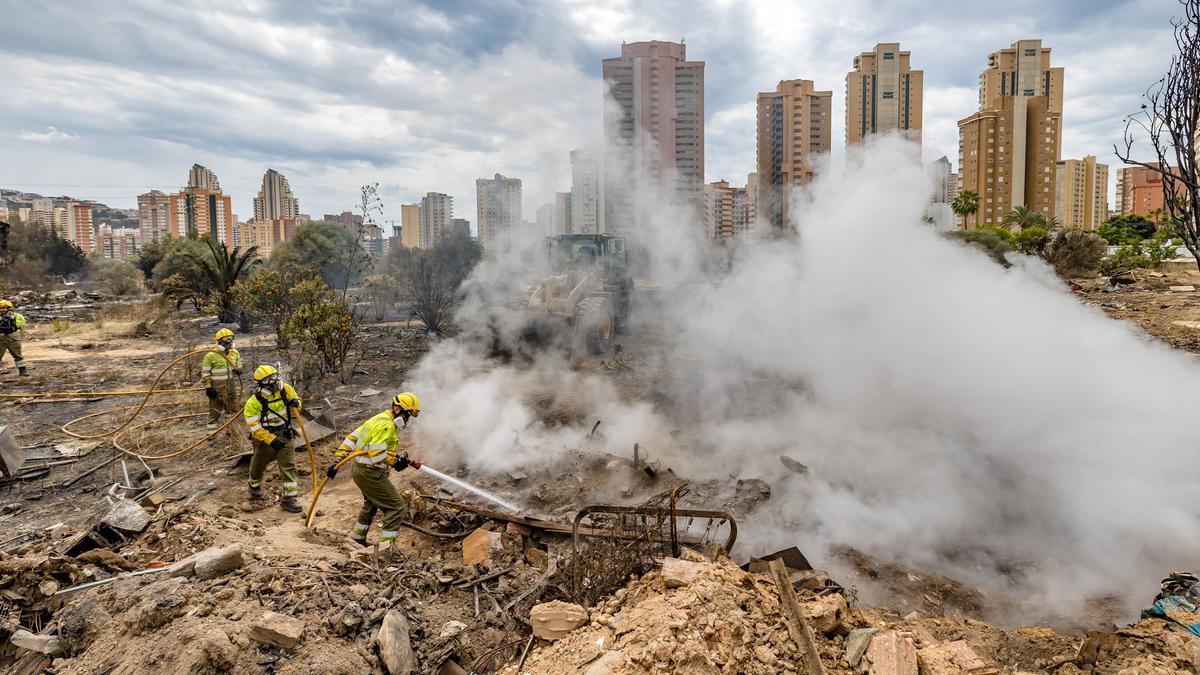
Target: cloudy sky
x: 107, y: 100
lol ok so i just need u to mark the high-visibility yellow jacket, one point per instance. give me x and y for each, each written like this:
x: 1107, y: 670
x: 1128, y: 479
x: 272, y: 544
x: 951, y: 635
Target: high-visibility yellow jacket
x: 377, y: 436
x: 265, y: 422
x: 18, y: 322
x: 214, y: 369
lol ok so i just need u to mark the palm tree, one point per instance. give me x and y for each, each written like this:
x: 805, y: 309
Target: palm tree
x: 965, y: 203
x: 225, y: 269
x: 1022, y: 217
x: 1051, y: 223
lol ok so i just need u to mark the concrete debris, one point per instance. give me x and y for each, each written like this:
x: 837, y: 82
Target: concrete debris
x: 278, y: 630
x: 554, y: 620
x: 42, y: 644
x: 451, y: 628
x: 211, y: 562
x: 856, y: 644
x: 677, y: 573
x: 395, y: 649
x: 480, y: 545
x: 827, y: 613
x: 952, y: 658
x: 609, y: 663
x: 891, y: 654
x: 126, y: 515
x: 1182, y: 289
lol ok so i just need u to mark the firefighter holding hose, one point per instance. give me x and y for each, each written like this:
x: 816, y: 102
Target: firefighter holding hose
x: 269, y: 413
x: 218, y: 375
x: 11, y: 323
x: 378, y: 439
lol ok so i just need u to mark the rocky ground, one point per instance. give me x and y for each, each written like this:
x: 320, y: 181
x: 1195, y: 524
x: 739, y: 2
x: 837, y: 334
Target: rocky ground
x: 305, y: 600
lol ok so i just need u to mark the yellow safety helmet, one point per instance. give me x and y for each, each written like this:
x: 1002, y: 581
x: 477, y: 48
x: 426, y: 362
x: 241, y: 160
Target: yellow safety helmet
x: 5, y: 304
x: 223, y: 333
x: 263, y: 372
x: 408, y: 402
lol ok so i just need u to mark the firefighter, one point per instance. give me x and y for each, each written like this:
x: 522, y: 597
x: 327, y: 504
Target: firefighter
x: 11, y: 323
x: 269, y: 412
x: 378, y: 438
x: 218, y: 374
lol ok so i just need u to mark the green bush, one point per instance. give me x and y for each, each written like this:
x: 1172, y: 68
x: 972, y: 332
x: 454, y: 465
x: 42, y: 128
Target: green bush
x: 986, y: 240
x: 1075, y: 253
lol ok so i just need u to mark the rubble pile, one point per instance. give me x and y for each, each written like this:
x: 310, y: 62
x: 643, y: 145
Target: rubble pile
x: 696, y: 616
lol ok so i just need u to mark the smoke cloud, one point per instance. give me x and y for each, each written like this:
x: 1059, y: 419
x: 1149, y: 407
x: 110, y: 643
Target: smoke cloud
x: 955, y: 415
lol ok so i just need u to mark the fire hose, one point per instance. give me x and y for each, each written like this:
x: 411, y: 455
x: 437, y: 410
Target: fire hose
x: 337, y: 466
x: 137, y: 409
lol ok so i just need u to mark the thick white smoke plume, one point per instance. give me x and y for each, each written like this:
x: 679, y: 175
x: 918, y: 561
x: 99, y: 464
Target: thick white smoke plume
x: 955, y: 415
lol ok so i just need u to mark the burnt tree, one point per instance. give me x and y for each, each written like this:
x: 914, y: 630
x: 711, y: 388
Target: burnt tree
x: 1169, y: 120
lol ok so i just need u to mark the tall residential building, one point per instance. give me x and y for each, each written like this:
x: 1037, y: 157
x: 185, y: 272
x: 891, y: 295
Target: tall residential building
x: 460, y: 227
x: 410, y: 225
x: 203, y: 178
x: 43, y: 214
x: 794, y: 125
x: 1139, y: 190
x: 545, y: 218
x: 883, y: 94
x: 275, y: 200
x: 498, y: 209
x: 940, y: 173
x: 437, y: 210
x: 654, y: 131
x: 197, y: 211
x: 79, y: 226
x: 154, y: 216
x: 587, y: 193
x: 1009, y: 150
x: 119, y: 244
x: 560, y: 223
x: 1081, y: 193
x: 728, y: 210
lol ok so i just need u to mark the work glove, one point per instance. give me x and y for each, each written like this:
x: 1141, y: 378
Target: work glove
x: 278, y: 443
x: 332, y: 471
x: 239, y: 371
x: 210, y: 392
x: 292, y: 403
x: 401, y: 463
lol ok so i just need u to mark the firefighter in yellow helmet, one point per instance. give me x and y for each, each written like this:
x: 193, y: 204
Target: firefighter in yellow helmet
x: 378, y: 438
x: 11, y: 323
x: 269, y: 413
x: 218, y: 374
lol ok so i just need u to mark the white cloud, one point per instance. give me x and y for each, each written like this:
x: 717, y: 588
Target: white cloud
x: 50, y: 135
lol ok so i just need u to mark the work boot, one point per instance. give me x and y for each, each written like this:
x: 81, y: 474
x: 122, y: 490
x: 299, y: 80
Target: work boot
x: 256, y: 492
x: 23, y: 371
x: 210, y: 426
x: 290, y: 505
x: 361, y: 542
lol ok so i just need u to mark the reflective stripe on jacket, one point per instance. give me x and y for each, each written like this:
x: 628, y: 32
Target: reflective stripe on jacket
x: 264, y: 424
x: 377, y: 436
x: 215, y: 368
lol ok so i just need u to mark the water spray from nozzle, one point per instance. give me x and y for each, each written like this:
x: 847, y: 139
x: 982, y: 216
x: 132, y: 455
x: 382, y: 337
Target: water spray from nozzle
x: 466, y: 486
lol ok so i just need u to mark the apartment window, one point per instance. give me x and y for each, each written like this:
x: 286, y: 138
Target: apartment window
x: 888, y: 56
x: 991, y: 131
x: 1027, y: 92
x: 888, y: 94
x: 1030, y: 52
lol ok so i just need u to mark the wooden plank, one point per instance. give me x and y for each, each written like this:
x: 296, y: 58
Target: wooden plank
x: 797, y: 626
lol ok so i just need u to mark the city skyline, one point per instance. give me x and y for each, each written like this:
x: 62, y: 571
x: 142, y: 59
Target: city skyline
x: 330, y: 136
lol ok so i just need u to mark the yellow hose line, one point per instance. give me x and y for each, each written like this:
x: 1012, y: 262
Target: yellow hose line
x: 312, y: 508
x: 311, y: 458
x: 193, y: 446
x: 149, y: 392
x: 53, y: 394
